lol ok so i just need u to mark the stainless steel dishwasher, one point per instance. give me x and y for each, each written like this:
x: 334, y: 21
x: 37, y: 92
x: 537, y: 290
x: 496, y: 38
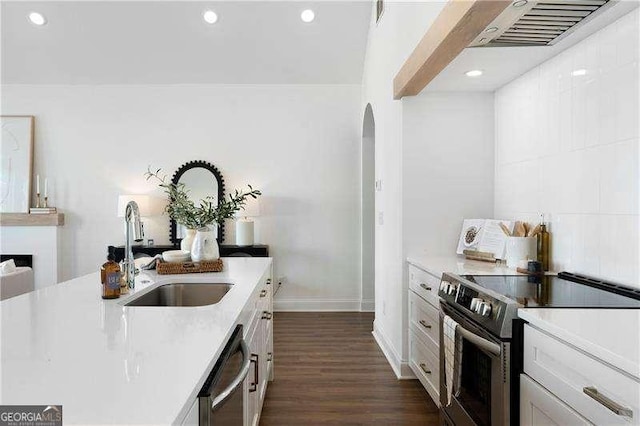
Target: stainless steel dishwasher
x: 220, y: 400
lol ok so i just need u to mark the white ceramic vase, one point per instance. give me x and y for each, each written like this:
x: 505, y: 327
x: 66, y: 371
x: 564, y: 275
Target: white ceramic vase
x: 205, y: 246
x: 187, y: 241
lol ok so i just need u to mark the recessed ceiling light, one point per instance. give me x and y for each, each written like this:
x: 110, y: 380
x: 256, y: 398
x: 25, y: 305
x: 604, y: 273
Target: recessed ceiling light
x: 210, y: 17
x: 491, y: 30
x: 579, y: 72
x: 37, y: 19
x: 473, y: 73
x: 520, y: 3
x: 307, y: 15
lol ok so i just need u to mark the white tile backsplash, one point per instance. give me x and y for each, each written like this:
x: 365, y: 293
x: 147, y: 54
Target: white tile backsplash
x: 626, y: 101
x: 569, y: 146
x: 619, y: 175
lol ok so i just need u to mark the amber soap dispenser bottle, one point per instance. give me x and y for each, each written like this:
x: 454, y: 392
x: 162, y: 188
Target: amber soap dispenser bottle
x: 110, y: 277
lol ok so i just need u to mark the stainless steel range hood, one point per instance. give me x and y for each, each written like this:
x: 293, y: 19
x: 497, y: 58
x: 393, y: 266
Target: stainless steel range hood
x: 538, y: 22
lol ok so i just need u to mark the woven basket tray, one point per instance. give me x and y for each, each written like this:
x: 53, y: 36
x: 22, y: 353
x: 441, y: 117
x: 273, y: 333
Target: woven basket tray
x: 171, y: 268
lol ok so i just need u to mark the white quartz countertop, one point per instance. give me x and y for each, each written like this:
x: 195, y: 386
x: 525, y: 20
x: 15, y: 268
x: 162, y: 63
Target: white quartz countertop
x: 611, y: 335
x: 111, y: 364
x: 436, y: 265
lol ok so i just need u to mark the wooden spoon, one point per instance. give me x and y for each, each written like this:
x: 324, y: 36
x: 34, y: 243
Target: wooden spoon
x: 535, y: 231
x: 518, y: 230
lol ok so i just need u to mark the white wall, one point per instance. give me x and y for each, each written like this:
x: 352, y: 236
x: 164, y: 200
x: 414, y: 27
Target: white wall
x: 299, y: 144
x: 568, y: 146
x: 390, y: 43
x: 448, y: 167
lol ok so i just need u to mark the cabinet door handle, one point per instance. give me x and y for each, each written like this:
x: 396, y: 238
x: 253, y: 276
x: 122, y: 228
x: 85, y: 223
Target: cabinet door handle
x: 254, y: 385
x: 269, y: 356
x: 423, y: 285
x: 424, y: 324
x: 266, y: 315
x: 423, y: 367
x: 268, y: 281
x: 263, y: 293
x: 607, y: 402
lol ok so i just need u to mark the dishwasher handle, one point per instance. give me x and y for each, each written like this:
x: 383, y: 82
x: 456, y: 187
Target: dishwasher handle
x: 244, y: 370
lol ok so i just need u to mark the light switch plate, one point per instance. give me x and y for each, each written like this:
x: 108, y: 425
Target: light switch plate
x: 379, y: 185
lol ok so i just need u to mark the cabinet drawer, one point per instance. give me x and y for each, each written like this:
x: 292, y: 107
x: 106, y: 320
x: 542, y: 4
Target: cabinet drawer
x: 424, y: 284
x: 424, y: 318
x: 538, y: 407
x: 590, y: 387
x: 426, y: 365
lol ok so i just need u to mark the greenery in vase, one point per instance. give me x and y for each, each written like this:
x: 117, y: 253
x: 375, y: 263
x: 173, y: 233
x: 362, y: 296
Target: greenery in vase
x: 185, y: 212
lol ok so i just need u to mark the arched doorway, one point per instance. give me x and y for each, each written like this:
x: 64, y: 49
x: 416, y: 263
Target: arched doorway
x: 368, y: 197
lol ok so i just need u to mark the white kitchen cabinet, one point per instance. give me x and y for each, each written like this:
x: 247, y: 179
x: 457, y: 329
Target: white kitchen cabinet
x: 259, y: 338
x: 424, y: 329
x: 539, y: 407
x: 598, y: 392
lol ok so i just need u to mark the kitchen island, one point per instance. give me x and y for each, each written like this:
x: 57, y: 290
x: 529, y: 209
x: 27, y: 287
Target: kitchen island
x: 112, y: 364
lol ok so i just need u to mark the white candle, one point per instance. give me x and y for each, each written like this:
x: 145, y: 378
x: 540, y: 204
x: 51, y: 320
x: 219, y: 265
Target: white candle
x: 244, y: 233
x: 37, y: 184
x: 46, y: 185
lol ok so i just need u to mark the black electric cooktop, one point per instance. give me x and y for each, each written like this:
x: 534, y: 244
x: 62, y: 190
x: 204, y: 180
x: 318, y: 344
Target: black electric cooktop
x: 565, y: 290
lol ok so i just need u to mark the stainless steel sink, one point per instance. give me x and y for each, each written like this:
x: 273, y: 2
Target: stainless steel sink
x: 178, y: 294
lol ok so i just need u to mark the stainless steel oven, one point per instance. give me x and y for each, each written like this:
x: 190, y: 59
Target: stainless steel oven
x: 482, y: 397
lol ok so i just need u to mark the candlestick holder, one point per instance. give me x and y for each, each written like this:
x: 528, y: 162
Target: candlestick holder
x: 45, y: 201
x: 38, y: 200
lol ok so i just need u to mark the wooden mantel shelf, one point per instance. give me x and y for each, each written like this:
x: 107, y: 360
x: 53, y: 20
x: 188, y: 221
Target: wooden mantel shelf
x: 26, y: 219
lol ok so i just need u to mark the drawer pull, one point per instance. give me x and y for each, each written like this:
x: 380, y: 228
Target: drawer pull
x: 609, y: 403
x: 424, y: 324
x: 266, y: 315
x: 263, y: 293
x: 425, y: 287
x: 423, y: 367
x: 256, y: 379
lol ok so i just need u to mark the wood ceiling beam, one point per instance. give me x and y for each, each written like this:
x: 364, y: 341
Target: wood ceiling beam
x: 457, y: 25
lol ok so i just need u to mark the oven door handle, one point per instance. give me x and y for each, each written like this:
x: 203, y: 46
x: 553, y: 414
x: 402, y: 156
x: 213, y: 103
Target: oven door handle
x: 480, y: 342
x: 244, y: 370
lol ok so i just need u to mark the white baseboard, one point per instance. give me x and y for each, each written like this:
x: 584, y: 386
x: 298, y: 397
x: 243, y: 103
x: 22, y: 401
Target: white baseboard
x: 316, y: 305
x: 387, y: 349
x: 401, y: 368
x: 368, y: 305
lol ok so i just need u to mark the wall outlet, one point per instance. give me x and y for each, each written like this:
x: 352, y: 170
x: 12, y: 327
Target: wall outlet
x: 281, y: 280
x: 379, y: 185
x: 380, y: 218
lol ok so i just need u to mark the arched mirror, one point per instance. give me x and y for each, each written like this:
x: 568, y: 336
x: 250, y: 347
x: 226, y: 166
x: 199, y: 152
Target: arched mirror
x: 202, y: 179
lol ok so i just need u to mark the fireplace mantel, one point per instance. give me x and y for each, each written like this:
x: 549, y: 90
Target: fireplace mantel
x: 26, y: 219
x: 39, y: 236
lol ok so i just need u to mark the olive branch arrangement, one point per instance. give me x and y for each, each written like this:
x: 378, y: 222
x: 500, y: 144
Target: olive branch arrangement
x: 185, y: 212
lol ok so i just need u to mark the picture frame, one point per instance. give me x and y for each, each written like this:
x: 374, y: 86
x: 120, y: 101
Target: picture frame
x: 16, y: 162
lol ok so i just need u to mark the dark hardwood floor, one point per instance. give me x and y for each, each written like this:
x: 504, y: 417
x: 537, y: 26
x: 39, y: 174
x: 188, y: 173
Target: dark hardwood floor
x: 329, y: 370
